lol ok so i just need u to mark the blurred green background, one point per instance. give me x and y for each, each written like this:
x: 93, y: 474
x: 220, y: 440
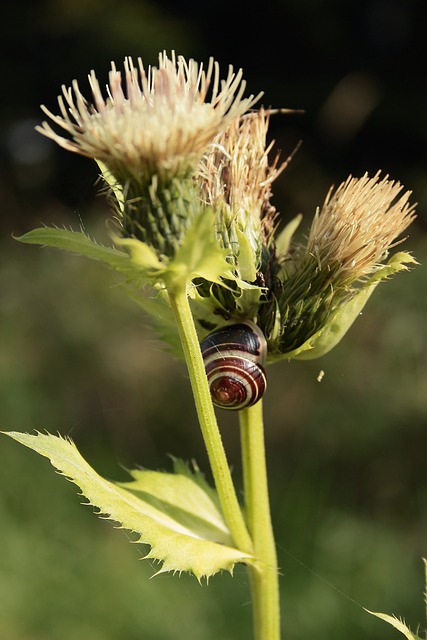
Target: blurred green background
x: 347, y: 456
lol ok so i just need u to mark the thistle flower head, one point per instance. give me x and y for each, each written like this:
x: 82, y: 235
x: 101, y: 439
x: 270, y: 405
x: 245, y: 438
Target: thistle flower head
x: 235, y: 179
x: 357, y: 225
x: 327, y: 282
x: 182, y: 157
x: 158, y: 121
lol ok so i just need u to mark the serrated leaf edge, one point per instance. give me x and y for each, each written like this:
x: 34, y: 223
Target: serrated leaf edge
x: 160, y: 550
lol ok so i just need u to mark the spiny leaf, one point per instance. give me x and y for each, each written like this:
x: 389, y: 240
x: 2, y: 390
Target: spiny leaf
x: 198, y: 256
x: 176, y: 514
x: 397, y: 624
x: 334, y: 329
x: 74, y: 241
x: 138, y: 264
x: 143, y: 256
x: 81, y: 244
x: 183, y: 495
x: 247, y: 266
x: 112, y: 183
x: 284, y: 239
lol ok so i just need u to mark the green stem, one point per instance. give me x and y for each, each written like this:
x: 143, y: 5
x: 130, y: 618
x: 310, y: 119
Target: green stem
x: 220, y: 470
x: 264, y: 576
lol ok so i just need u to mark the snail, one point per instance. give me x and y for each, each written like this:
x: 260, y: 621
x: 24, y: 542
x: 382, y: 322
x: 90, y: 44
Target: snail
x: 234, y: 356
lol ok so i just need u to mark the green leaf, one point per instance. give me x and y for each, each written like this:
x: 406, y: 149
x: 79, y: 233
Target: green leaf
x: 343, y: 317
x: 397, y: 624
x: 176, y: 514
x: 143, y: 256
x: 246, y: 261
x: 184, y: 495
x: 284, y: 239
x: 199, y: 255
x: 139, y: 263
x: 112, y: 183
x: 75, y: 242
x: 334, y: 329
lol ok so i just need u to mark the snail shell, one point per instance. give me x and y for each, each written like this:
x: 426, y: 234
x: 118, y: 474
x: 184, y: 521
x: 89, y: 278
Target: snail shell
x: 234, y: 356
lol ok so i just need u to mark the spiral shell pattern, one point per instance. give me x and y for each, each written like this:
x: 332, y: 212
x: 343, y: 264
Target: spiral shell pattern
x: 234, y: 356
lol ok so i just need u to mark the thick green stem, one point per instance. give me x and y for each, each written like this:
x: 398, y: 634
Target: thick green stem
x: 220, y: 470
x: 264, y: 577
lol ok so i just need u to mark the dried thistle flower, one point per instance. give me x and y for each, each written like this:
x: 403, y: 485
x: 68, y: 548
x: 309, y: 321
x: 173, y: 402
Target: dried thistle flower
x: 358, y: 224
x: 235, y: 179
x: 323, y: 282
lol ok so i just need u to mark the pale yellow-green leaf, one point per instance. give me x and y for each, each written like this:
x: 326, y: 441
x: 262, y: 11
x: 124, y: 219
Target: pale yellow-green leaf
x: 248, y: 302
x: 75, y: 242
x: 199, y: 255
x: 247, y: 267
x: 185, y: 496
x: 208, y: 308
x: 284, y: 239
x: 138, y: 264
x: 397, y: 624
x: 205, y: 309
x: 398, y: 262
x: 115, y: 187
x: 173, y: 513
x: 334, y: 329
x: 81, y: 244
x: 142, y: 255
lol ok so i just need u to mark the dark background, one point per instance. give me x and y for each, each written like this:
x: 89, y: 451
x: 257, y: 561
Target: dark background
x: 346, y: 456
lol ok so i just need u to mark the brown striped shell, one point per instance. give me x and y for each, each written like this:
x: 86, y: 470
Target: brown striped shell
x: 234, y: 356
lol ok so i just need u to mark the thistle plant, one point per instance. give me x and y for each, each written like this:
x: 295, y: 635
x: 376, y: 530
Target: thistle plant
x: 195, y: 241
